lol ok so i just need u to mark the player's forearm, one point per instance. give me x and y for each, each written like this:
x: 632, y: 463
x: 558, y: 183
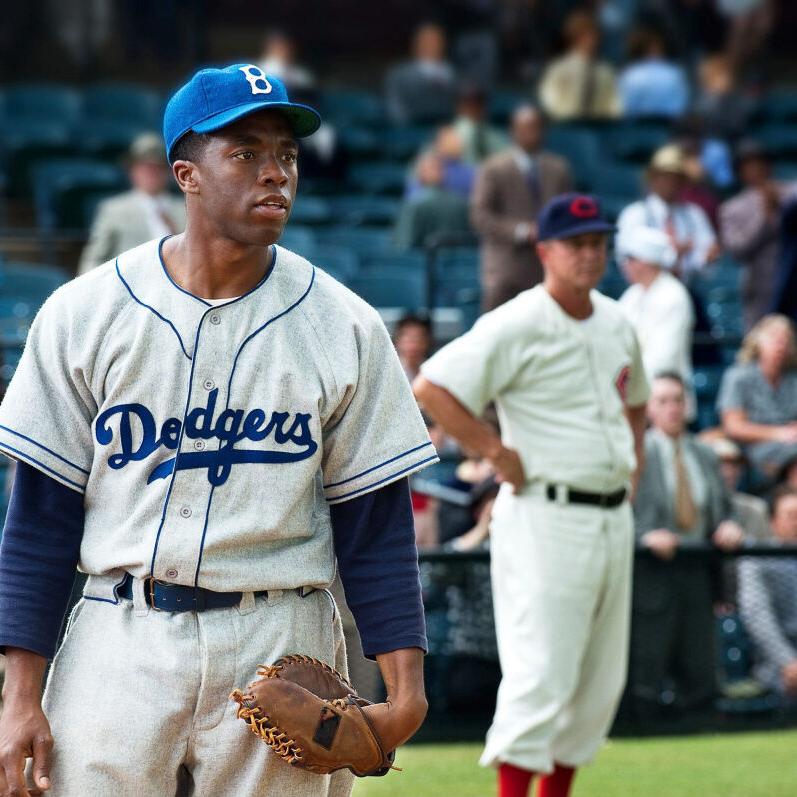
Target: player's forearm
x: 455, y: 418
x: 402, y: 672
x: 24, y: 674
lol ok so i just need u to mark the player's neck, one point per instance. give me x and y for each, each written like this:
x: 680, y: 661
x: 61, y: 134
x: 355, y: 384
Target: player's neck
x: 576, y: 303
x: 215, y: 268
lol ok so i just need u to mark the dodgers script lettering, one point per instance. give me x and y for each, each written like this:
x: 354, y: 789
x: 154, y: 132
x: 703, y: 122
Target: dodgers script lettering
x: 229, y: 428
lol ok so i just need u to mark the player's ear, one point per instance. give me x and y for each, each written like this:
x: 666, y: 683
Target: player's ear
x: 185, y: 172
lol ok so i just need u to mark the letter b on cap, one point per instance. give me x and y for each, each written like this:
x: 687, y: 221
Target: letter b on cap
x: 255, y: 76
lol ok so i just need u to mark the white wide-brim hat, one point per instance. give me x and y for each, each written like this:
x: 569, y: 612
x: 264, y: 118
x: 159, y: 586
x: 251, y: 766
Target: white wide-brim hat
x: 648, y: 245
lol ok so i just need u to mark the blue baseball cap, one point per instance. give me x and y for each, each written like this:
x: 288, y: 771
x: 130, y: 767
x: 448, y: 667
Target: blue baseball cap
x: 214, y: 98
x: 568, y: 215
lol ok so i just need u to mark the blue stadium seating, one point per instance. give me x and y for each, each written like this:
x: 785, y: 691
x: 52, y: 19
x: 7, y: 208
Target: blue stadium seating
x: 399, y: 289
x: 779, y: 105
x: 343, y: 264
x: 635, y: 142
x: 616, y: 179
x: 311, y: 210
x: 43, y: 102
x: 364, y: 241
x: 61, y: 186
x: 779, y: 138
x: 135, y: 105
x: 359, y: 141
x: 381, y: 262
x: 358, y: 209
x: 403, y: 143
x: 580, y: 145
x: 301, y: 240
x: 346, y: 107
x: 30, y: 283
x: 378, y: 177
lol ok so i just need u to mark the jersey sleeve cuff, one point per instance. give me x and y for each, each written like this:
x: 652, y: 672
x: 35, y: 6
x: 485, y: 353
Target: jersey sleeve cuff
x: 396, y: 467
x: 25, y: 449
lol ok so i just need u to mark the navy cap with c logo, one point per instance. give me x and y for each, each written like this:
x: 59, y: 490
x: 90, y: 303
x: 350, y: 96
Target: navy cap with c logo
x: 214, y: 98
x: 568, y: 215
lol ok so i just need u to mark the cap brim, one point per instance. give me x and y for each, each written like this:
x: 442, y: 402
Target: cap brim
x: 304, y: 120
x: 581, y: 229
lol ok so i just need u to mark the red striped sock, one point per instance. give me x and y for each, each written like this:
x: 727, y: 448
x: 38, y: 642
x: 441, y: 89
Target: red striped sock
x: 513, y: 781
x: 558, y: 783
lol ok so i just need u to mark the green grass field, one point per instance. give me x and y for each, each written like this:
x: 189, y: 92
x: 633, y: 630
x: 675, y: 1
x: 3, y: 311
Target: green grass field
x: 728, y: 765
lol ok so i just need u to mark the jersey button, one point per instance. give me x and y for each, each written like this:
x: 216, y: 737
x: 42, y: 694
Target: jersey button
x: 185, y: 511
x: 209, y: 384
x: 171, y: 573
x: 215, y: 318
x: 199, y: 445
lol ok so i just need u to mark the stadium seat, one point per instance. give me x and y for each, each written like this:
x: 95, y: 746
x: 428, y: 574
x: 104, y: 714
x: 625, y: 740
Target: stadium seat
x: 345, y: 107
x: 617, y: 180
x: 503, y: 104
x: 343, y: 264
x: 462, y: 259
x: 399, y: 289
x: 635, y: 142
x: 30, y: 284
x: 779, y: 105
x: 364, y: 241
x: 123, y: 102
x: 455, y: 289
x: 106, y: 138
x: 311, y: 210
x: 779, y: 138
x: 406, y: 262
x: 62, y: 186
x: 359, y: 141
x: 358, y: 209
x: 26, y: 142
x: 301, y: 240
x: 404, y: 143
x: 378, y: 177
x: 580, y: 146
x: 43, y: 102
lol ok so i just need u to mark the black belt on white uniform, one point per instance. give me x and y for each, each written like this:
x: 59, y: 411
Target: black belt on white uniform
x: 568, y: 496
x: 165, y: 597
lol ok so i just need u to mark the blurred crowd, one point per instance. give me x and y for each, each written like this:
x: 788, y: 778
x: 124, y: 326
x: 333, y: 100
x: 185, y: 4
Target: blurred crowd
x: 708, y: 197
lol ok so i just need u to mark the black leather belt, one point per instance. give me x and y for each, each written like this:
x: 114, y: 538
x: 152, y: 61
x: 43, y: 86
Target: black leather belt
x: 603, y: 500
x: 165, y: 597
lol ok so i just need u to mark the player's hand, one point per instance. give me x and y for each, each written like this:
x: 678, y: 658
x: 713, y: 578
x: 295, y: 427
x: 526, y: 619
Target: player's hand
x: 662, y: 542
x: 728, y: 536
x: 508, y: 468
x: 397, y: 721
x: 24, y: 733
x: 789, y: 674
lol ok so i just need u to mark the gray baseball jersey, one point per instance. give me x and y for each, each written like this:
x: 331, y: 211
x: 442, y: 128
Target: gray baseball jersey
x: 209, y: 439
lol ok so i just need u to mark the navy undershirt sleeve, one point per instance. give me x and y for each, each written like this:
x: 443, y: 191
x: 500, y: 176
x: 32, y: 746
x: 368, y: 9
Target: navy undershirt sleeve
x: 38, y: 557
x: 378, y: 562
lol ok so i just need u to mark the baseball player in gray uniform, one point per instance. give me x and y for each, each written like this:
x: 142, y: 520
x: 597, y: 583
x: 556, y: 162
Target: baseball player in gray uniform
x: 563, y: 367
x: 206, y: 424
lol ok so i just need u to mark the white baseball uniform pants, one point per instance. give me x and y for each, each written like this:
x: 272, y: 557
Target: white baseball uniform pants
x: 561, y: 576
x: 138, y: 700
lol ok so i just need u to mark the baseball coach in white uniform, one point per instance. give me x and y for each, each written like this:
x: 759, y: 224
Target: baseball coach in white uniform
x: 206, y: 424
x: 563, y: 367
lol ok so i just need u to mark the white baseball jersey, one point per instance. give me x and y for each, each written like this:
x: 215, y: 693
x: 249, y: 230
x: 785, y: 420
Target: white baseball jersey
x: 559, y: 385
x: 209, y: 439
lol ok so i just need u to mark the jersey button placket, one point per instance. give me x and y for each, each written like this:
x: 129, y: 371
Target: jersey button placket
x: 185, y: 511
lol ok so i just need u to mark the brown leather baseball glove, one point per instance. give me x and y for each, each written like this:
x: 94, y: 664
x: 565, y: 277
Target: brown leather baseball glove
x: 312, y: 717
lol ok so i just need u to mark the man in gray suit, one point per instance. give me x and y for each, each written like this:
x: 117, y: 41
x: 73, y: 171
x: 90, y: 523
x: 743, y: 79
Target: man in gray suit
x: 681, y: 501
x: 145, y: 212
x: 767, y: 592
x: 511, y: 188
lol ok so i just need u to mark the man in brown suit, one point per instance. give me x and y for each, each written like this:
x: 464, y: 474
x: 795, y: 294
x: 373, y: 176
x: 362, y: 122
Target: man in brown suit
x: 510, y: 190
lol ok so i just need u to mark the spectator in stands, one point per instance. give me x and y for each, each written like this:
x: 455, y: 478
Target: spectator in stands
x: 511, y: 188
x: 686, y: 224
x: 412, y: 338
x: 767, y: 589
x: 424, y: 88
x: 758, y: 396
x: 750, y: 510
x: 579, y: 85
x: 479, y: 138
x: 278, y: 58
x: 657, y: 304
x: 724, y: 109
x: 749, y: 226
x: 784, y: 288
x: 431, y: 210
x: 707, y: 164
x: 145, y: 212
x: 651, y: 84
x: 681, y: 501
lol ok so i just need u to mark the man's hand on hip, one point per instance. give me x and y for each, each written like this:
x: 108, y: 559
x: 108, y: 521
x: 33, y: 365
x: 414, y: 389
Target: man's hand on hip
x: 508, y: 467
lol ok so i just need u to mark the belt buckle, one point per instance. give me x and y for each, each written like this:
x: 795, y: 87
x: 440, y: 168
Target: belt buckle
x: 149, y: 592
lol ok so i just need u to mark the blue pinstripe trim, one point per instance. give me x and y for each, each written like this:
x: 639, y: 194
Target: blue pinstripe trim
x: 44, y: 448
x: 35, y: 461
x: 229, y: 390
x: 150, y: 308
x: 376, y: 467
x: 169, y: 276
x: 393, y: 477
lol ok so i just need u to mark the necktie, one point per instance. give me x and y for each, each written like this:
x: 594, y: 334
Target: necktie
x: 588, y: 90
x: 685, y: 509
x: 535, y: 190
